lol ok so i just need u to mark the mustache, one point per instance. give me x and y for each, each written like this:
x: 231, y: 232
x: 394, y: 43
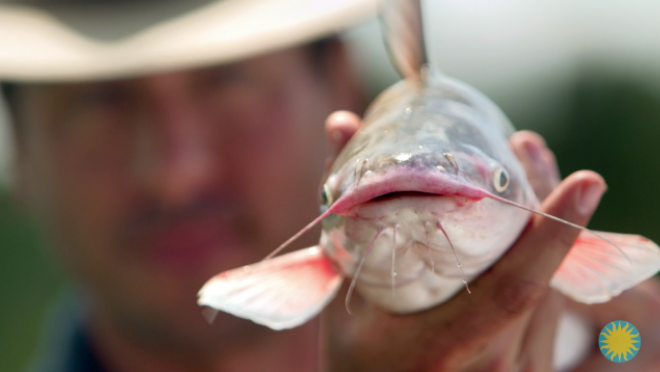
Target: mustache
x: 150, y: 214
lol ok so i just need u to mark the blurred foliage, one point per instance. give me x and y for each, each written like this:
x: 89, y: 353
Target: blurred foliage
x: 29, y: 283
x: 610, y: 125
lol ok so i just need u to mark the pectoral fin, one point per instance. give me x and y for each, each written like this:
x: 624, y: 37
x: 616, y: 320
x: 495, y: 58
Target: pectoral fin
x: 282, y: 292
x: 595, y: 271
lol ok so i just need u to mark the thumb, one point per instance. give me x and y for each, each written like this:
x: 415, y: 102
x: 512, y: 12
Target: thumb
x: 340, y: 126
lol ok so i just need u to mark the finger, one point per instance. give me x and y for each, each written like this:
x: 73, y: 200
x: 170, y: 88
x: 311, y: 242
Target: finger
x: 528, y: 343
x: 340, y: 126
x: 520, y: 279
x: 538, y: 161
x: 551, y: 163
x: 539, y: 340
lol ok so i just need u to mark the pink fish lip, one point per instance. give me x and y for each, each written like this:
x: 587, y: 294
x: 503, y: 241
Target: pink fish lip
x: 408, y: 182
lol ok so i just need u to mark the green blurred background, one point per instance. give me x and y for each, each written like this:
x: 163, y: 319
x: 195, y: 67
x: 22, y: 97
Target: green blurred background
x: 594, y: 115
x: 29, y: 283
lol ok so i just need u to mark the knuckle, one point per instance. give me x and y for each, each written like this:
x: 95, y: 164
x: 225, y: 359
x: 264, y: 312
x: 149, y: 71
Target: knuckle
x: 517, y: 296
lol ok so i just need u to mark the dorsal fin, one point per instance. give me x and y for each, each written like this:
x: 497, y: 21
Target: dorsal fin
x: 404, y: 37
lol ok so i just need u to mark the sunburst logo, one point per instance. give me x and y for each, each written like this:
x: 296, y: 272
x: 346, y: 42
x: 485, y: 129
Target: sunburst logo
x: 619, y: 341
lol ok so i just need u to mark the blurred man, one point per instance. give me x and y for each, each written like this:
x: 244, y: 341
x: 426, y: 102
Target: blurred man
x: 195, y: 144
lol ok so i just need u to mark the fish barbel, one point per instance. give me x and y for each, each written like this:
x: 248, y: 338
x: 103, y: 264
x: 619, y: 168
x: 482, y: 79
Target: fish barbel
x: 425, y: 197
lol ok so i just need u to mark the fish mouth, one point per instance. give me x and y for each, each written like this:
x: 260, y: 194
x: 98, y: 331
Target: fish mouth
x: 397, y: 184
x: 403, y: 194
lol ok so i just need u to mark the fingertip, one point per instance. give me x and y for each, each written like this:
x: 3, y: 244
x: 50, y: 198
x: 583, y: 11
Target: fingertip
x: 530, y: 149
x: 590, y: 193
x: 523, y: 137
x: 585, y: 178
x: 344, y: 121
x: 581, y: 191
x: 340, y: 126
x: 586, y: 175
x: 533, y: 145
x: 537, y: 160
x: 532, y: 136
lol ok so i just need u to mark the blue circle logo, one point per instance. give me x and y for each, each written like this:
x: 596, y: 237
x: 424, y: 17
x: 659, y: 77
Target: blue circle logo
x: 619, y: 341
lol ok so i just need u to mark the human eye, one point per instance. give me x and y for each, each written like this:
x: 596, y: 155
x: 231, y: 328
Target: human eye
x: 93, y: 111
x: 98, y: 97
x: 226, y: 77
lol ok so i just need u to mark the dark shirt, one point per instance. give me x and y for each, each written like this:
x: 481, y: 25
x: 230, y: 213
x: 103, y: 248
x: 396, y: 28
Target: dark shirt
x: 65, y: 346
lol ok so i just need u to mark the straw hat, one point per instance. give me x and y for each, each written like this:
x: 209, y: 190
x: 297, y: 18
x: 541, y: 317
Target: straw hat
x: 72, y: 40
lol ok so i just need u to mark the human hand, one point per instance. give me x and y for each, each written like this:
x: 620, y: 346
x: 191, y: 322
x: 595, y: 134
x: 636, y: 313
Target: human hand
x: 639, y: 305
x: 508, y: 322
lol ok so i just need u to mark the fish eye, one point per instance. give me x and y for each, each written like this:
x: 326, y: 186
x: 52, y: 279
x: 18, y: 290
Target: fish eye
x: 500, y: 179
x: 326, y: 196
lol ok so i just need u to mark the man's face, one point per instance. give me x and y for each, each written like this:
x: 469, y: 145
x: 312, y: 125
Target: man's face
x: 148, y: 187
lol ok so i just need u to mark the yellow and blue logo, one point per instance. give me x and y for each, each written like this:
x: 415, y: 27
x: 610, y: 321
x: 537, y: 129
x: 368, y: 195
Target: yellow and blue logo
x: 619, y: 341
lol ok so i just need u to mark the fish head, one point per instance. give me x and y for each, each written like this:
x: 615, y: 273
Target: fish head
x: 412, y: 189
x: 442, y: 132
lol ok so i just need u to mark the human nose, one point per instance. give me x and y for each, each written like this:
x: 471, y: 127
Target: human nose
x: 173, y: 157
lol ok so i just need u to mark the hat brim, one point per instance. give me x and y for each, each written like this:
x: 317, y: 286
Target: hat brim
x: 37, y: 45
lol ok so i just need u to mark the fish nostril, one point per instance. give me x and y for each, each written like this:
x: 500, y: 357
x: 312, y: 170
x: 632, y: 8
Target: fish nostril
x: 452, y: 161
x: 360, y: 169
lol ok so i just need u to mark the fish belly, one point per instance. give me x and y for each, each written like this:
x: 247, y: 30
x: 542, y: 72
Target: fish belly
x: 411, y: 247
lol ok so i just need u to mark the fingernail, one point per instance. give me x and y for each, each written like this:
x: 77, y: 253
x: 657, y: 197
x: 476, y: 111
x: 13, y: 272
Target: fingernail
x: 589, y: 197
x: 534, y: 152
x: 336, y: 135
